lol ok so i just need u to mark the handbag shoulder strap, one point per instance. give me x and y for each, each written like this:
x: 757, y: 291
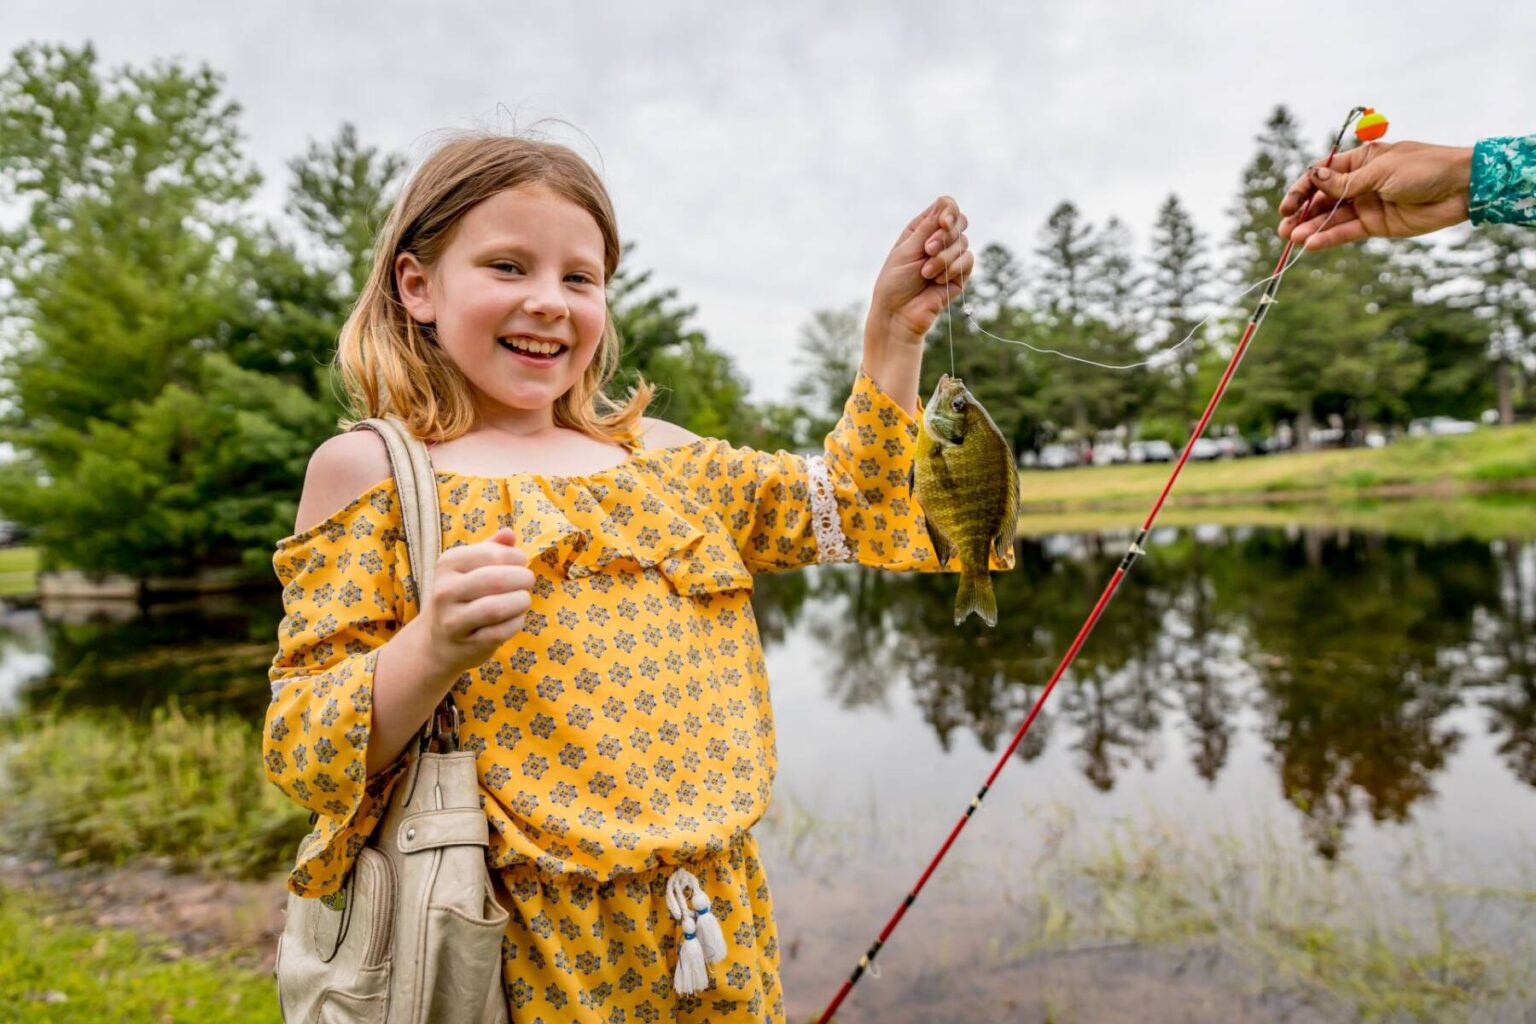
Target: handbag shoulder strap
x: 416, y: 488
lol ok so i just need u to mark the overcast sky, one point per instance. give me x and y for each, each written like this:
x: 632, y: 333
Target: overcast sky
x: 764, y: 157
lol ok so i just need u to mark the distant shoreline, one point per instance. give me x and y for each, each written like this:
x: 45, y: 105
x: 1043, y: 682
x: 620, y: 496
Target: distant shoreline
x: 1440, y: 489
x: 1423, y: 487
x: 1488, y: 460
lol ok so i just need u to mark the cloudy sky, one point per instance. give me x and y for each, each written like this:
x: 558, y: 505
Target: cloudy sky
x: 764, y: 157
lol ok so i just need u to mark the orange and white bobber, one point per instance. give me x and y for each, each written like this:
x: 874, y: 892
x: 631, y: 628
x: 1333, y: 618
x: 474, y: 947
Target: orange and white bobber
x: 1371, y: 125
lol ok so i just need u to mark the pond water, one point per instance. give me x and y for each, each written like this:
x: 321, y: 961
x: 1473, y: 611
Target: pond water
x: 1355, y: 700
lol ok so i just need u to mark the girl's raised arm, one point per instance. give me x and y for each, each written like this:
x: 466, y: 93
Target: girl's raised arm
x: 922, y: 275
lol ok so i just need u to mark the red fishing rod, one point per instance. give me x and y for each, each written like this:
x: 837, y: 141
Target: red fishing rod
x: 1261, y: 309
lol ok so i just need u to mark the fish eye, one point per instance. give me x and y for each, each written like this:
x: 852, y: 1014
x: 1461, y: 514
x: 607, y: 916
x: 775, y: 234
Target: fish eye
x: 958, y: 405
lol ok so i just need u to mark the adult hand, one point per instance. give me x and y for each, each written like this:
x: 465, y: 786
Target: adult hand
x: 923, y: 273
x: 1390, y: 190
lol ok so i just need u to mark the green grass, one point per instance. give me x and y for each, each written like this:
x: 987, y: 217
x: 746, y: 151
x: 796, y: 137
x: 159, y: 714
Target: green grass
x: 101, y: 787
x: 53, y: 971
x: 18, y: 571
x: 1488, y: 457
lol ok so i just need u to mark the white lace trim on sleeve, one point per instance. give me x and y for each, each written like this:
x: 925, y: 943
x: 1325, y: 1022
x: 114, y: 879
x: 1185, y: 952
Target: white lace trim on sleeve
x: 831, y: 545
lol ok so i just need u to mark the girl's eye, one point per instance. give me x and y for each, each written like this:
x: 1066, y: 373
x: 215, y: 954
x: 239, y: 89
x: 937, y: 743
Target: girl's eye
x: 580, y: 278
x: 505, y: 267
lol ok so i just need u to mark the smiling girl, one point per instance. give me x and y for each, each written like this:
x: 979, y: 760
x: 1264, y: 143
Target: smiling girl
x: 590, y: 614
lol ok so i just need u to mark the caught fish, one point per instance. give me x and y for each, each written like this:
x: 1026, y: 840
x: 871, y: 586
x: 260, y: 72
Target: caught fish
x: 967, y: 483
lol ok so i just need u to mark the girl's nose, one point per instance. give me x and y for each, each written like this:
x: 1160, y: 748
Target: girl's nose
x: 545, y: 299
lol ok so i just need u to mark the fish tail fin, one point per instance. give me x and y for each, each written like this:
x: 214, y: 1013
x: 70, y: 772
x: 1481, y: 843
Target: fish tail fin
x: 976, y: 595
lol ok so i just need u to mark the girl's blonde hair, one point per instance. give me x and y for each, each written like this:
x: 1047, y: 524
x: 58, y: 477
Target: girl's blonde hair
x: 390, y: 365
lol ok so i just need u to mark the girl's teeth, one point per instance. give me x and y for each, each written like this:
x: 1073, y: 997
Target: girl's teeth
x: 544, y: 348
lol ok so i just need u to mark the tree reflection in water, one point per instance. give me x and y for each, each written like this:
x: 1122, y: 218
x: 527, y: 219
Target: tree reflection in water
x: 1351, y: 649
x: 1504, y: 646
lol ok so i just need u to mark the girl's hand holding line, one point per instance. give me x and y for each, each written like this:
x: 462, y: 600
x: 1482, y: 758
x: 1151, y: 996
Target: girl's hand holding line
x: 923, y: 273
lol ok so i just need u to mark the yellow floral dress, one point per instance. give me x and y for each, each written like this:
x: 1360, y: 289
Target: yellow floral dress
x: 627, y: 730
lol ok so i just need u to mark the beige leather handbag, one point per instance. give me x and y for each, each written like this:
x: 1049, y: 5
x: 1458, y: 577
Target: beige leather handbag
x: 415, y: 935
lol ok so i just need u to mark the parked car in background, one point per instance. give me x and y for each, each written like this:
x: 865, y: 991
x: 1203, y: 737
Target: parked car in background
x: 1437, y: 425
x: 1327, y: 437
x: 1205, y: 448
x: 1233, y: 447
x: 1109, y: 453
x: 1057, y: 456
x: 1150, y: 451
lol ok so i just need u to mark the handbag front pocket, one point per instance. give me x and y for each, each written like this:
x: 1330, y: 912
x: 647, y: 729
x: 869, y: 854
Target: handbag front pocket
x: 474, y: 944
x: 377, y: 901
x: 334, y: 963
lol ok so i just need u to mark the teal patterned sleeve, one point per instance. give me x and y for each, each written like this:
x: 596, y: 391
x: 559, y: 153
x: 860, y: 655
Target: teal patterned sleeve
x: 1504, y: 181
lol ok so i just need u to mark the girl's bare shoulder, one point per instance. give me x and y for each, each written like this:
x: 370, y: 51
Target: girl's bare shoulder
x: 661, y: 434
x: 342, y: 468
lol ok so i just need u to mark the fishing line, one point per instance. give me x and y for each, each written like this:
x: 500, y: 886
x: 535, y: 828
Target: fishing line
x: 1255, y: 319
x: 970, y: 317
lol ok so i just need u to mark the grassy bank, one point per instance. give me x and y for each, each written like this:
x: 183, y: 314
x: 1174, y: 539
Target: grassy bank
x: 1352, y: 944
x: 66, y: 972
x: 101, y: 787
x: 1488, y: 459
x: 18, y: 571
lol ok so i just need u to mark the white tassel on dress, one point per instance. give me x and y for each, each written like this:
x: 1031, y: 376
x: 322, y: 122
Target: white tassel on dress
x: 711, y: 937
x: 703, y: 938
x: 692, y: 976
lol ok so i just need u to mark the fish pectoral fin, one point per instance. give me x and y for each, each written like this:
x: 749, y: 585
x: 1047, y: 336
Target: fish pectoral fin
x: 1003, y: 542
x: 942, y: 548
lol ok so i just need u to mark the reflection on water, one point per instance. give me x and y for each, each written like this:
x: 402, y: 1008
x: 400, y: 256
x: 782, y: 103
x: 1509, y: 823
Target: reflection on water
x: 1348, y: 654
x: 210, y: 654
x: 1359, y: 661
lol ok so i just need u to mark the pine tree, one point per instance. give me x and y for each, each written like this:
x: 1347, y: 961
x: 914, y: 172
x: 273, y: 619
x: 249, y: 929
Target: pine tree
x: 997, y: 282
x: 1068, y: 250
x: 1176, y: 297
x: 1117, y: 396
x: 1330, y: 345
x: 339, y: 195
x: 1003, y: 377
x: 296, y: 291
x: 699, y: 388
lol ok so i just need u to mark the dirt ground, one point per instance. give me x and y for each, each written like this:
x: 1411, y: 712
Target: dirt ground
x: 197, y: 915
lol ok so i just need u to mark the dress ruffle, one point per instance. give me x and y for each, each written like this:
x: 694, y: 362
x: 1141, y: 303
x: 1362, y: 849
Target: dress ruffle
x: 623, y: 518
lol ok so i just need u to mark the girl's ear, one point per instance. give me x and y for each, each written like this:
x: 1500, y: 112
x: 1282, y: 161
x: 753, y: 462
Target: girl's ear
x: 415, y: 286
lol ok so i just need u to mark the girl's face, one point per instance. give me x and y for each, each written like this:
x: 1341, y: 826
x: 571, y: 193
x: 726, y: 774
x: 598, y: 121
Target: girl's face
x: 518, y: 300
